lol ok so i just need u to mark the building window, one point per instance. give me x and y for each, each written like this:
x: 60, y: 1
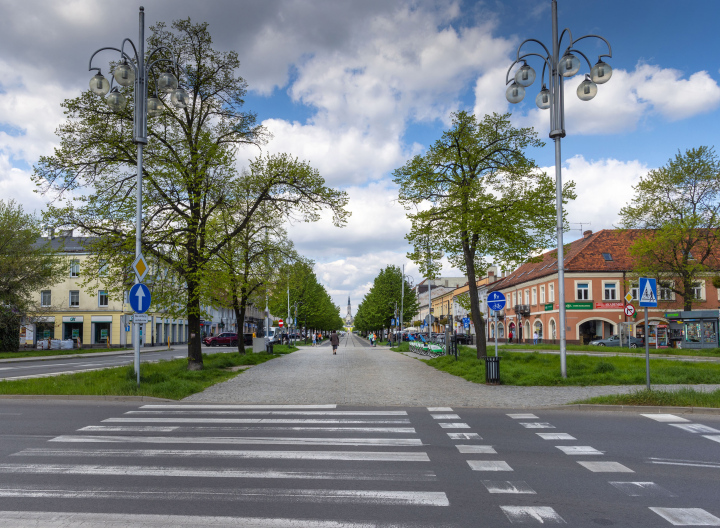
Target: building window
x: 527, y: 296
x: 551, y: 293
x: 102, y: 267
x: 607, y: 257
x: 665, y: 293
x: 74, y: 268
x: 514, y: 298
x: 697, y: 290
x: 542, y: 294
x: 583, y: 291
x: 635, y: 291
x: 552, y: 328
x: 610, y: 291
x: 103, y: 298
x: 534, y: 295
x: 74, y: 298
x: 45, y: 298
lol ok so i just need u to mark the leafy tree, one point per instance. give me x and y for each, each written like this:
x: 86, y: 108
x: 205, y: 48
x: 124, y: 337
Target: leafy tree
x: 378, y: 307
x: 26, y: 265
x: 679, y: 206
x: 189, y: 175
x: 476, y: 198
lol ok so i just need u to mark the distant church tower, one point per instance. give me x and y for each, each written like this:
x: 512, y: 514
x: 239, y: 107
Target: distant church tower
x: 349, y: 317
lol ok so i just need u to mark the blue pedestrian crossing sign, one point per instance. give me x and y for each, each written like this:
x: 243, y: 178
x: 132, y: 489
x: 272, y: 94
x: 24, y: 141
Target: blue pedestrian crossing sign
x: 648, y: 292
x: 496, y: 301
x: 140, y: 298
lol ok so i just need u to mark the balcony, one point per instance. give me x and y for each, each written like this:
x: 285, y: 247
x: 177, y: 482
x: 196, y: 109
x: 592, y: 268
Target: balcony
x: 522, y: 309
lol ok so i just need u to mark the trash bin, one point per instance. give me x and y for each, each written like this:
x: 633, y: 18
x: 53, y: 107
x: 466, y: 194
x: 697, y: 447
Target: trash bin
x: 492, y: 370
x: 270, y: 348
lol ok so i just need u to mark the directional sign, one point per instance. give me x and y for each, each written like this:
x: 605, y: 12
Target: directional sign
x: 139, y: 298
x: 496, y: 301
x: 648, y: 292
x: 629, y: 297
x: 280, y: 323
x: 629, y: 310
x: 140, y: 267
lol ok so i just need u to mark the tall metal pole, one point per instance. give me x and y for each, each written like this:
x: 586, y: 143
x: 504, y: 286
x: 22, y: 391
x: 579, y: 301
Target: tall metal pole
x: 430, y: 317
x: 557, y: 132
x: 647, y: 349
x: 402, y: 299
x: 140, y: 140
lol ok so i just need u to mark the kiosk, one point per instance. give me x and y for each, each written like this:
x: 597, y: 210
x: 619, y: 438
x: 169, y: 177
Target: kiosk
x: 693, y: 329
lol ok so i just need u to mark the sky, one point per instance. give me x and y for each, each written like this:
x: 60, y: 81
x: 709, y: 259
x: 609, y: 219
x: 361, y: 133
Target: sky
x: 357, y: 88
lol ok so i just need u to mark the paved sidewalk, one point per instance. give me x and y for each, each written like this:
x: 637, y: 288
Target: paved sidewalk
x: 365, y: 376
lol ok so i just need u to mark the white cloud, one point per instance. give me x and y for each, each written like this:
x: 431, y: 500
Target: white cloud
x: 15, y: 185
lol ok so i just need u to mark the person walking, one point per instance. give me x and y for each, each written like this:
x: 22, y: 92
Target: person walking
x: 314, y: 338
x: 510, y: 336
x: 535, y: 338
x: 374, y: 339
x: 334, y: 341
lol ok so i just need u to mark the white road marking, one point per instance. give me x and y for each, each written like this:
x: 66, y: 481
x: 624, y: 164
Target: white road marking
x: 666, y: 418
x: 714, y: 438
x: 439, y: 409
x: 123, y: 520
x: 687, y: 516
x: 464, y: 436
x: 506, y: 486
x: 489, y: 465
x: 51, y: 374
x: 679, y: 462
x: 606, y: 467
x: 257, y: 420
x: 374, y: 456
x: 153, y: 406
x: 642, y: 489
x: 184, y: 472
x: 302, y: 413
x: 537, y: 425
x: 523, y: 416
x: 555, y: 436
x: 483, y: 449
x: 453, y: 425
x: 579, y: 450
x: 695, y: 428
x: 372, y: 497
x: 237, y: 440
x: 190, y: 428
x: 445, y: 416
x: 524, y: 514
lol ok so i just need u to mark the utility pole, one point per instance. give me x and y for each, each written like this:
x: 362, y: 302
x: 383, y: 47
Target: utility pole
x: 402, y: 298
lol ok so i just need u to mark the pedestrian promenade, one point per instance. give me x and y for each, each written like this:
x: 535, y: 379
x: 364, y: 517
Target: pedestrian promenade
x: 364, y: 375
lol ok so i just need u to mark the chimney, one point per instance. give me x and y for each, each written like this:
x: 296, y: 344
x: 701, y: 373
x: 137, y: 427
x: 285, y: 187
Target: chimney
x: 491, y: 276
x: 587, y: 233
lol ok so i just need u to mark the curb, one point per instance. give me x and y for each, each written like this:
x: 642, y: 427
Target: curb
x: 82, y: 397
x: 647, y: 409
x: 75, y: 356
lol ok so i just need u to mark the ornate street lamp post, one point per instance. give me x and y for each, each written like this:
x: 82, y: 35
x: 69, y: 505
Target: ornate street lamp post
x: 553, y: 99
x: 133, y: 70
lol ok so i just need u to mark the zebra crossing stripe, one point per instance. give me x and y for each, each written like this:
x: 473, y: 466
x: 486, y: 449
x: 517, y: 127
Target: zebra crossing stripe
x: 189, y: 428
x: 524, y: 514
x: 296, y: 413
x: 256, y: 420
x: 579, y: 450
x: 237, y: 440
x: 687, y: 516
x: 317, y: 496
x: 369, y: 456
x: 122, y: 520
x: 131, y: 428
x: 153, y: 406
x: 260, y: 473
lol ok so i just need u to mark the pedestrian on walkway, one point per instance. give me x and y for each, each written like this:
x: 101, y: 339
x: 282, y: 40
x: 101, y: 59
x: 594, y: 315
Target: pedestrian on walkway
x: 535, y: 338
x: 314, y: 338
x: 374, y: 338
x: 510, y: 336
x: 334, y: 341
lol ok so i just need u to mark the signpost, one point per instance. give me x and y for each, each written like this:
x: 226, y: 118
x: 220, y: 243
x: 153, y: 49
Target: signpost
x: 496, y: 302
x: 648, y: 299
x: 140, y: 299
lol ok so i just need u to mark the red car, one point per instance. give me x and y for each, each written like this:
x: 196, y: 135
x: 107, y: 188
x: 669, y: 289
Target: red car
x: 224, y: 339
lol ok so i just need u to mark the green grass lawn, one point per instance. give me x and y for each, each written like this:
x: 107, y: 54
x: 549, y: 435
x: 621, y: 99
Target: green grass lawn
x: 528, y: 369
x: 165, y: 379
x: 709, y: 352
x: 43, y: 353
x: 679, y: 398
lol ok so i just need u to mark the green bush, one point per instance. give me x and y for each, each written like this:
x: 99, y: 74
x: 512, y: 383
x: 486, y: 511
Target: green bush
x: 9, y: 330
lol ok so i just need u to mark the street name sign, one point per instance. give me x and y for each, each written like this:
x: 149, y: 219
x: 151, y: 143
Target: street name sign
x: 140, y: 298
x: 141, y: 318
x: 648, y: 292
x: 496, y: 301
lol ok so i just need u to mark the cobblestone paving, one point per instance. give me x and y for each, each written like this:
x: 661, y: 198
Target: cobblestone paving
x: 365, y: 376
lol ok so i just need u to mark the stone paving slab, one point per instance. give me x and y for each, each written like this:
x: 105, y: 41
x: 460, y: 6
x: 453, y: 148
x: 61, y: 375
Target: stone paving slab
x: 370, y: 376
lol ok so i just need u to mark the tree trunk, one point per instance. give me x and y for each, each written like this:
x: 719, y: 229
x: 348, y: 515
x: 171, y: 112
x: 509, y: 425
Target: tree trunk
x: 195, y: 360
x: 477, y: 318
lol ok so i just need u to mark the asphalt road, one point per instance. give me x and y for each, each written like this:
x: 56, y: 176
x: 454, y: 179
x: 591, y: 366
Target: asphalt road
x: 65, y: 365
x: 106, y: 464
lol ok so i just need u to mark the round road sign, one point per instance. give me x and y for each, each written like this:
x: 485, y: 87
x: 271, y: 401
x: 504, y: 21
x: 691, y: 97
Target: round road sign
x: 629, y: 309
x: 280, y: 323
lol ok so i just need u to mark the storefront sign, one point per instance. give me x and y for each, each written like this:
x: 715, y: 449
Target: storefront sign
x: 549, y: 306
x: 608, y: 305
x: 585, y: 305
x: 72, y: 319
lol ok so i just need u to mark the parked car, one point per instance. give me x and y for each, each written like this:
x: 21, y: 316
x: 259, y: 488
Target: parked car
x: 224, y: 339
x: 464, y: 339
x: 615, y: 341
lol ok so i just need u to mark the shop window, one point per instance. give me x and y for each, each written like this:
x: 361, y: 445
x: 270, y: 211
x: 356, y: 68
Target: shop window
x: 583, y: 291
x: 542, y: 294
x: 610, y: 291
x: 45, y: 298
x: 103, y: 298
x: 551, y: 293
x: 74, y: 298
x: 74, y: 268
